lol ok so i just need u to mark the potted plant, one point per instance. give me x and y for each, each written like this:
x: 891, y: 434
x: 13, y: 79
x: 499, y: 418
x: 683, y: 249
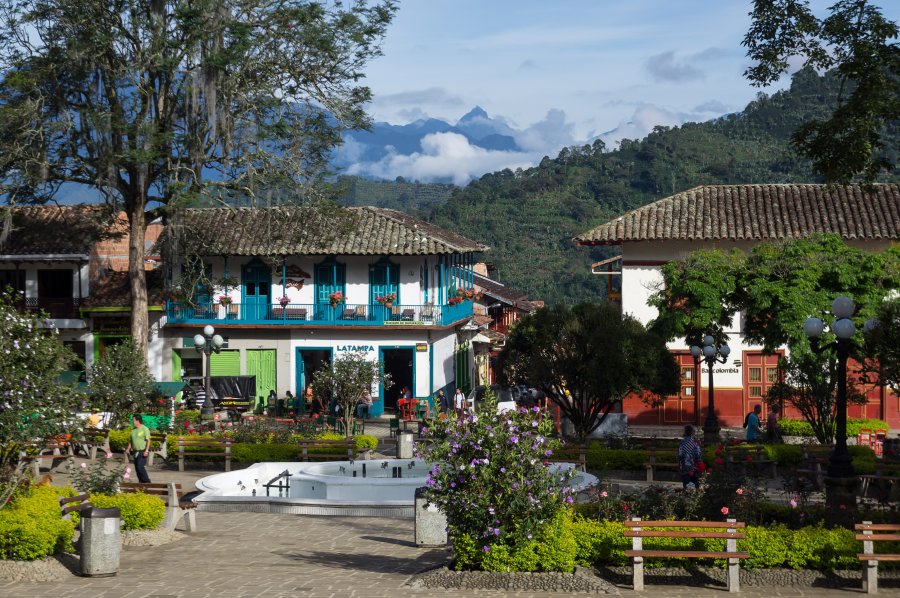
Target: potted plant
x: 336, y: 298
x: 387, y: 300
x: 284, y: 300
x: 224, y: 300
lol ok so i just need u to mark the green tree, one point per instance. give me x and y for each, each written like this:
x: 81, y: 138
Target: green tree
x: 151, y: 102
x: 33, y: 403
x: 859, y: 45
x: 883, y: 345
x: 120, y: 383
x: 348, y: 382
x: 587, y: 359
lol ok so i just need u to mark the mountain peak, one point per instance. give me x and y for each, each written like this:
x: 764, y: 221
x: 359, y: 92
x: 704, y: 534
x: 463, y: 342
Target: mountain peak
x: 475, y: 113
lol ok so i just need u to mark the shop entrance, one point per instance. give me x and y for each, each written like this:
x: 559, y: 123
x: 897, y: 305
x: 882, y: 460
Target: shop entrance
x: 398, y: 362
x: 310, y: 361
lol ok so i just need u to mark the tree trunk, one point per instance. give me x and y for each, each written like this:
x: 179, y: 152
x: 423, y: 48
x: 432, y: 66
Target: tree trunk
x: 137, y: 222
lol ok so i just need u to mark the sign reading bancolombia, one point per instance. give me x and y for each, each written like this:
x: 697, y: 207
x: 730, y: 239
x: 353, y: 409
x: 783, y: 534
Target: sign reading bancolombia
x: 722, y: 371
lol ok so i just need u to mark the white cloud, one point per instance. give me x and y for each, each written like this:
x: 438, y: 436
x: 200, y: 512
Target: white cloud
x: 444, y: 156
x: 642, y: 122
x: 547, y: 136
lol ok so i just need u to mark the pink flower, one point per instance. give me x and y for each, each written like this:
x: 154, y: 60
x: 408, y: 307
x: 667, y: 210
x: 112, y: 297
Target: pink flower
x: 724, y: 510
x: 84, y: 466
x: 740, y: 491
x: 793, y: 503
x: 126, y: 475
x: 109, y: 455
x: 603, y: 494
x: 127, y: 470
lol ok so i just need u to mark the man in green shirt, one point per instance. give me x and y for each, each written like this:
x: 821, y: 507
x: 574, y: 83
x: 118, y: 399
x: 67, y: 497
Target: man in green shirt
x: 140, y: 442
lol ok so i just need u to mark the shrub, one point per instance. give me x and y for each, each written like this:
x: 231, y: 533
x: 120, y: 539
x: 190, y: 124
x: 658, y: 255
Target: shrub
x: 600, y: 458
x: 553, y: 549
x: 489, y: 478
x: 799, y: 427
x: 186, y: 416
x: 257, y: 453
x: 100, y: 477
x: 139, y: 510
x: 363, y: 441
x: 32, y: 528
x: 118, y: 440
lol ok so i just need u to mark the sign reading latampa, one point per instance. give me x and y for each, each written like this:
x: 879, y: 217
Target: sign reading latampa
x: 355, y: 348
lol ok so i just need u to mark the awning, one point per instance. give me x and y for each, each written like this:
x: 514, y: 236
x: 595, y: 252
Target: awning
x: 481, y: 338
x: 169, y: 389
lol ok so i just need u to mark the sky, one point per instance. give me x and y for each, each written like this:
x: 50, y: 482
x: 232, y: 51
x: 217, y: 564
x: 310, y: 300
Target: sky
x: 558, y: 72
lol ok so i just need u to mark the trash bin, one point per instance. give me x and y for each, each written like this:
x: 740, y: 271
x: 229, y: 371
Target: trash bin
x: 431, y: 523
x: 405, y: 445
x: 101, y: 542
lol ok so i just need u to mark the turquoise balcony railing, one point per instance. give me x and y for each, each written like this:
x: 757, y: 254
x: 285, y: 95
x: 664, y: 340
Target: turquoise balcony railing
x: 319, y: 314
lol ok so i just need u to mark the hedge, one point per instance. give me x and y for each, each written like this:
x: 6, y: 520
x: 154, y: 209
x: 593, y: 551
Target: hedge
x: 245, y: 452
x: 813, y: 547
x: 139, y: 510
x: 32, y: 527
x: 799, y: 427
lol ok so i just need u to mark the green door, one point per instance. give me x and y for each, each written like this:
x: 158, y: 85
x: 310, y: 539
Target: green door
x: 261, y: 363
x: 256, y: 279
x: 225, y: 363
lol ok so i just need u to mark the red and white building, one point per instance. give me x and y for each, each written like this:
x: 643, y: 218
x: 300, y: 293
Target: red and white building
x: 728, y: 217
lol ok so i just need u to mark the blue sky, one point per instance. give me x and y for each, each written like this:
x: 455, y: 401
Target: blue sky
x: 569, y: 70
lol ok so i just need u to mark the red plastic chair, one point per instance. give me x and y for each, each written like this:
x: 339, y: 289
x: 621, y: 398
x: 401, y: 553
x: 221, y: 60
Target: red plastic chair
x: 878, y: 441
x: 864, y: 438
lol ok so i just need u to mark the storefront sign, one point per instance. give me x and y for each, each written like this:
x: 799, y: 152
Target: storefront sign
x: 355, y: 348
x: 422, y: 347
x: 112, y: 325
x: 722, y: 371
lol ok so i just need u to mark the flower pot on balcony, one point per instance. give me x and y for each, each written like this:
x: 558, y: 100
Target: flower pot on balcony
x: 388, y: 304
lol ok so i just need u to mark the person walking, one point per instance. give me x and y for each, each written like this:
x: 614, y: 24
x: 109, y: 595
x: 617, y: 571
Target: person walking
x: 754, y: 432
x: 773, y: 433
x: 689, y: 457
x: 443, y: 403
x: 459, y: 402
x: 140, y: 443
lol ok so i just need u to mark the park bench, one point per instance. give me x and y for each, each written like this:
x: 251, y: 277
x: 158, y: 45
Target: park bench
x: 575, y: 454
x: 745, y: 458
x: 72, y: 504
x: 288, y: 313
x: 871, y: 533
x: 637, y: 530
x: 176, y: 507
x: 49, y: 455
x: 327, y: 450
x: 815, y: 463
x: 158, y: 446
x: 884, y: 486
x: 92, y: 440
x: 204, y: 447
x: 665, y: 457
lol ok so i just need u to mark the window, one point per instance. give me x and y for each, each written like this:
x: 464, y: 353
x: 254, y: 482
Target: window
x: 687, y: 373
x: 771, y: 375
x: 756, y: 391
x: 12, y: 278
x: 687, y: 391
x: 755, y: 374
x: 55, y: 284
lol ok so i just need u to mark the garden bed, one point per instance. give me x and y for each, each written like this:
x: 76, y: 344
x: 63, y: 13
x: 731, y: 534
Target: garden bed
x: 774, y: 577
x: 581, y: 581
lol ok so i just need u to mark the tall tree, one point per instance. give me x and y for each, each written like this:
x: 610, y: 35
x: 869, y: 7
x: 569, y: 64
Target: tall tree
x: 858, y: 43
x: 587, y: 359
x: 348, y: 382
x: 120, y: 383
x: 151, y: 102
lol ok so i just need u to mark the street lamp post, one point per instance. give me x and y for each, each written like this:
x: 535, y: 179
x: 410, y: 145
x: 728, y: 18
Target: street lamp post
x: 206, y: 344
x: 840, y: 481
x: 711, y: 354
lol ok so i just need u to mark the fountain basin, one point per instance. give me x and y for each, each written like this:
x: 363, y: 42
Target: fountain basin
x: 368, y: 488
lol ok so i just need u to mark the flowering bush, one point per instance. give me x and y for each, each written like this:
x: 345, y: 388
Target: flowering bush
x: 491, y: 479
x: 100, y: 477
x: 224, y: 300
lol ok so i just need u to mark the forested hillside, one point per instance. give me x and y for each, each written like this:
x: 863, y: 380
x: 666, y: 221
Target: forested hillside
x: 411, y: 197
x: 528, y: 217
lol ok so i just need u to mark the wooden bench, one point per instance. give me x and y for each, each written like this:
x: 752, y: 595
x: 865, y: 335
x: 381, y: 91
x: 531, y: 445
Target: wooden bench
x: 709, y: 529
x: 58, y: 452
x: 327, y: 450
x: 288, y: 313
x: 576, y: 454
x: 92, y: 440
x: 158, y: 446
x: 887, y: 532
x: 176, y: 508
x: 747, y: 457
x: 73, y: 504
x: 204, y: 447
x: 886, y: 486
x: 815, y: 463
x: 661, y: 458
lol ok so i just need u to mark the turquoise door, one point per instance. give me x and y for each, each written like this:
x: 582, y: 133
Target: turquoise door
x: 330, y: 278
x: 384, y: 279
x: 256, y: 279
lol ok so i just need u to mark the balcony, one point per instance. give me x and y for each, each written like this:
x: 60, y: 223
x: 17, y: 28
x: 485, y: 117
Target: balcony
x: 320, y: 314
x: 57, y: 308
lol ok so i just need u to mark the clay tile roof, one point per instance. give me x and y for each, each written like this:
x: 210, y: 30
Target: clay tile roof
x: 57, y: 230
x: 498, y: 290
x: 296, y: 230
x: 758, y: 213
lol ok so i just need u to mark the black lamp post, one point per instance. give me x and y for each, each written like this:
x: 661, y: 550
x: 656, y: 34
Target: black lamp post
x: 712, y: 354
x: 841, y: 480
x: 207, y: 343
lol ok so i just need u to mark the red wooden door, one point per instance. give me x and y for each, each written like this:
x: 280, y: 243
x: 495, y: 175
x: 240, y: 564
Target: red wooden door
x: 682, y: 408
x: 760, y: 373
